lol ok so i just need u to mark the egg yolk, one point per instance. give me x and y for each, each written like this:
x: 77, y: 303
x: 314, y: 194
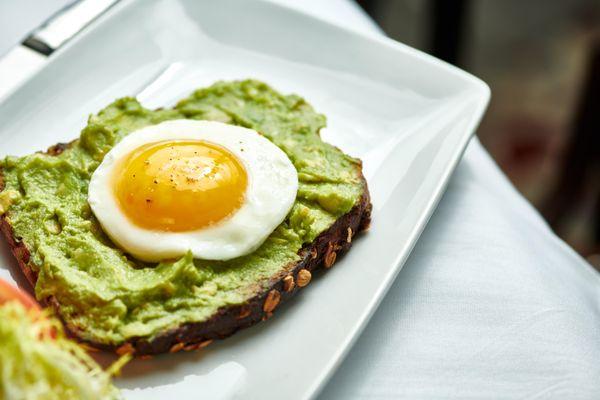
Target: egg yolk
x: 180, y: 186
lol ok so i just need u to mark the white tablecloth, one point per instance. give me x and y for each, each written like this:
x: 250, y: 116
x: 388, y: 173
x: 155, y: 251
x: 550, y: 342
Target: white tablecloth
x: 490, y: 304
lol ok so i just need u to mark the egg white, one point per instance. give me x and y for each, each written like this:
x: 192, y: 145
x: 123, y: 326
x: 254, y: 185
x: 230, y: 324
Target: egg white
x: 270, y: 193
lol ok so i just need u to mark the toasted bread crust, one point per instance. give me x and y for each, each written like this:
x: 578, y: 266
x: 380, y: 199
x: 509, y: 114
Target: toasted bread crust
x: 322, y: 252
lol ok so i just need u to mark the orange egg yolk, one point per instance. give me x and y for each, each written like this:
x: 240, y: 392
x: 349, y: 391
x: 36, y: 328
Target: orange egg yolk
x: 180, y: 186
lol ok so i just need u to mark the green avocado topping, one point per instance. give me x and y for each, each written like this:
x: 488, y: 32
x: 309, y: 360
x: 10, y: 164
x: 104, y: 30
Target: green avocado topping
x: 109, y: 297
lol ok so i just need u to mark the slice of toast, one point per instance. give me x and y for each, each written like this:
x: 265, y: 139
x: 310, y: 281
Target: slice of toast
x: 265, y: 299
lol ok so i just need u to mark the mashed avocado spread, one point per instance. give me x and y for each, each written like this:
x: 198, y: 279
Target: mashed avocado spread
x: 108, y: 296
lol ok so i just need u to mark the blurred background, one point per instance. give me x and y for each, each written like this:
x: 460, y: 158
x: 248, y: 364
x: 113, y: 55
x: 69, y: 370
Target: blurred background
x: 541, y: 59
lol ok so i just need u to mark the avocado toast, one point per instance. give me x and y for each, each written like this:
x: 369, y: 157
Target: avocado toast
x: 111, y: 300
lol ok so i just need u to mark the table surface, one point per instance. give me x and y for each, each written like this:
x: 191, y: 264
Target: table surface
x: 490, y: 304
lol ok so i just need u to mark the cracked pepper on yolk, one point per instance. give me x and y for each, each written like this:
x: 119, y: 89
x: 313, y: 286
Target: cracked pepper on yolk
x: 180, y: 185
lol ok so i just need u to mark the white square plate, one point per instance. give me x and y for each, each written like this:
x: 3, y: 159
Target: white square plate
x: 407, y: 115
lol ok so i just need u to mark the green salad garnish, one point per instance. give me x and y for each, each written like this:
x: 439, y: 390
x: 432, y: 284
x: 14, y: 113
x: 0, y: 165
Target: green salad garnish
x: 38, y: 361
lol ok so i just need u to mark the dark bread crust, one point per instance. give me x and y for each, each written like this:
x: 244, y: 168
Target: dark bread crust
x: 322, y: 252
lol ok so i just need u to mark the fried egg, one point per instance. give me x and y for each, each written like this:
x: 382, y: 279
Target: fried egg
x: 214, y: 189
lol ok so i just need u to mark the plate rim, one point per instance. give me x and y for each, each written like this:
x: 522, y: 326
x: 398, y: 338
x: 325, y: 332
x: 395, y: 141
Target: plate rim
x: 480, y: 87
